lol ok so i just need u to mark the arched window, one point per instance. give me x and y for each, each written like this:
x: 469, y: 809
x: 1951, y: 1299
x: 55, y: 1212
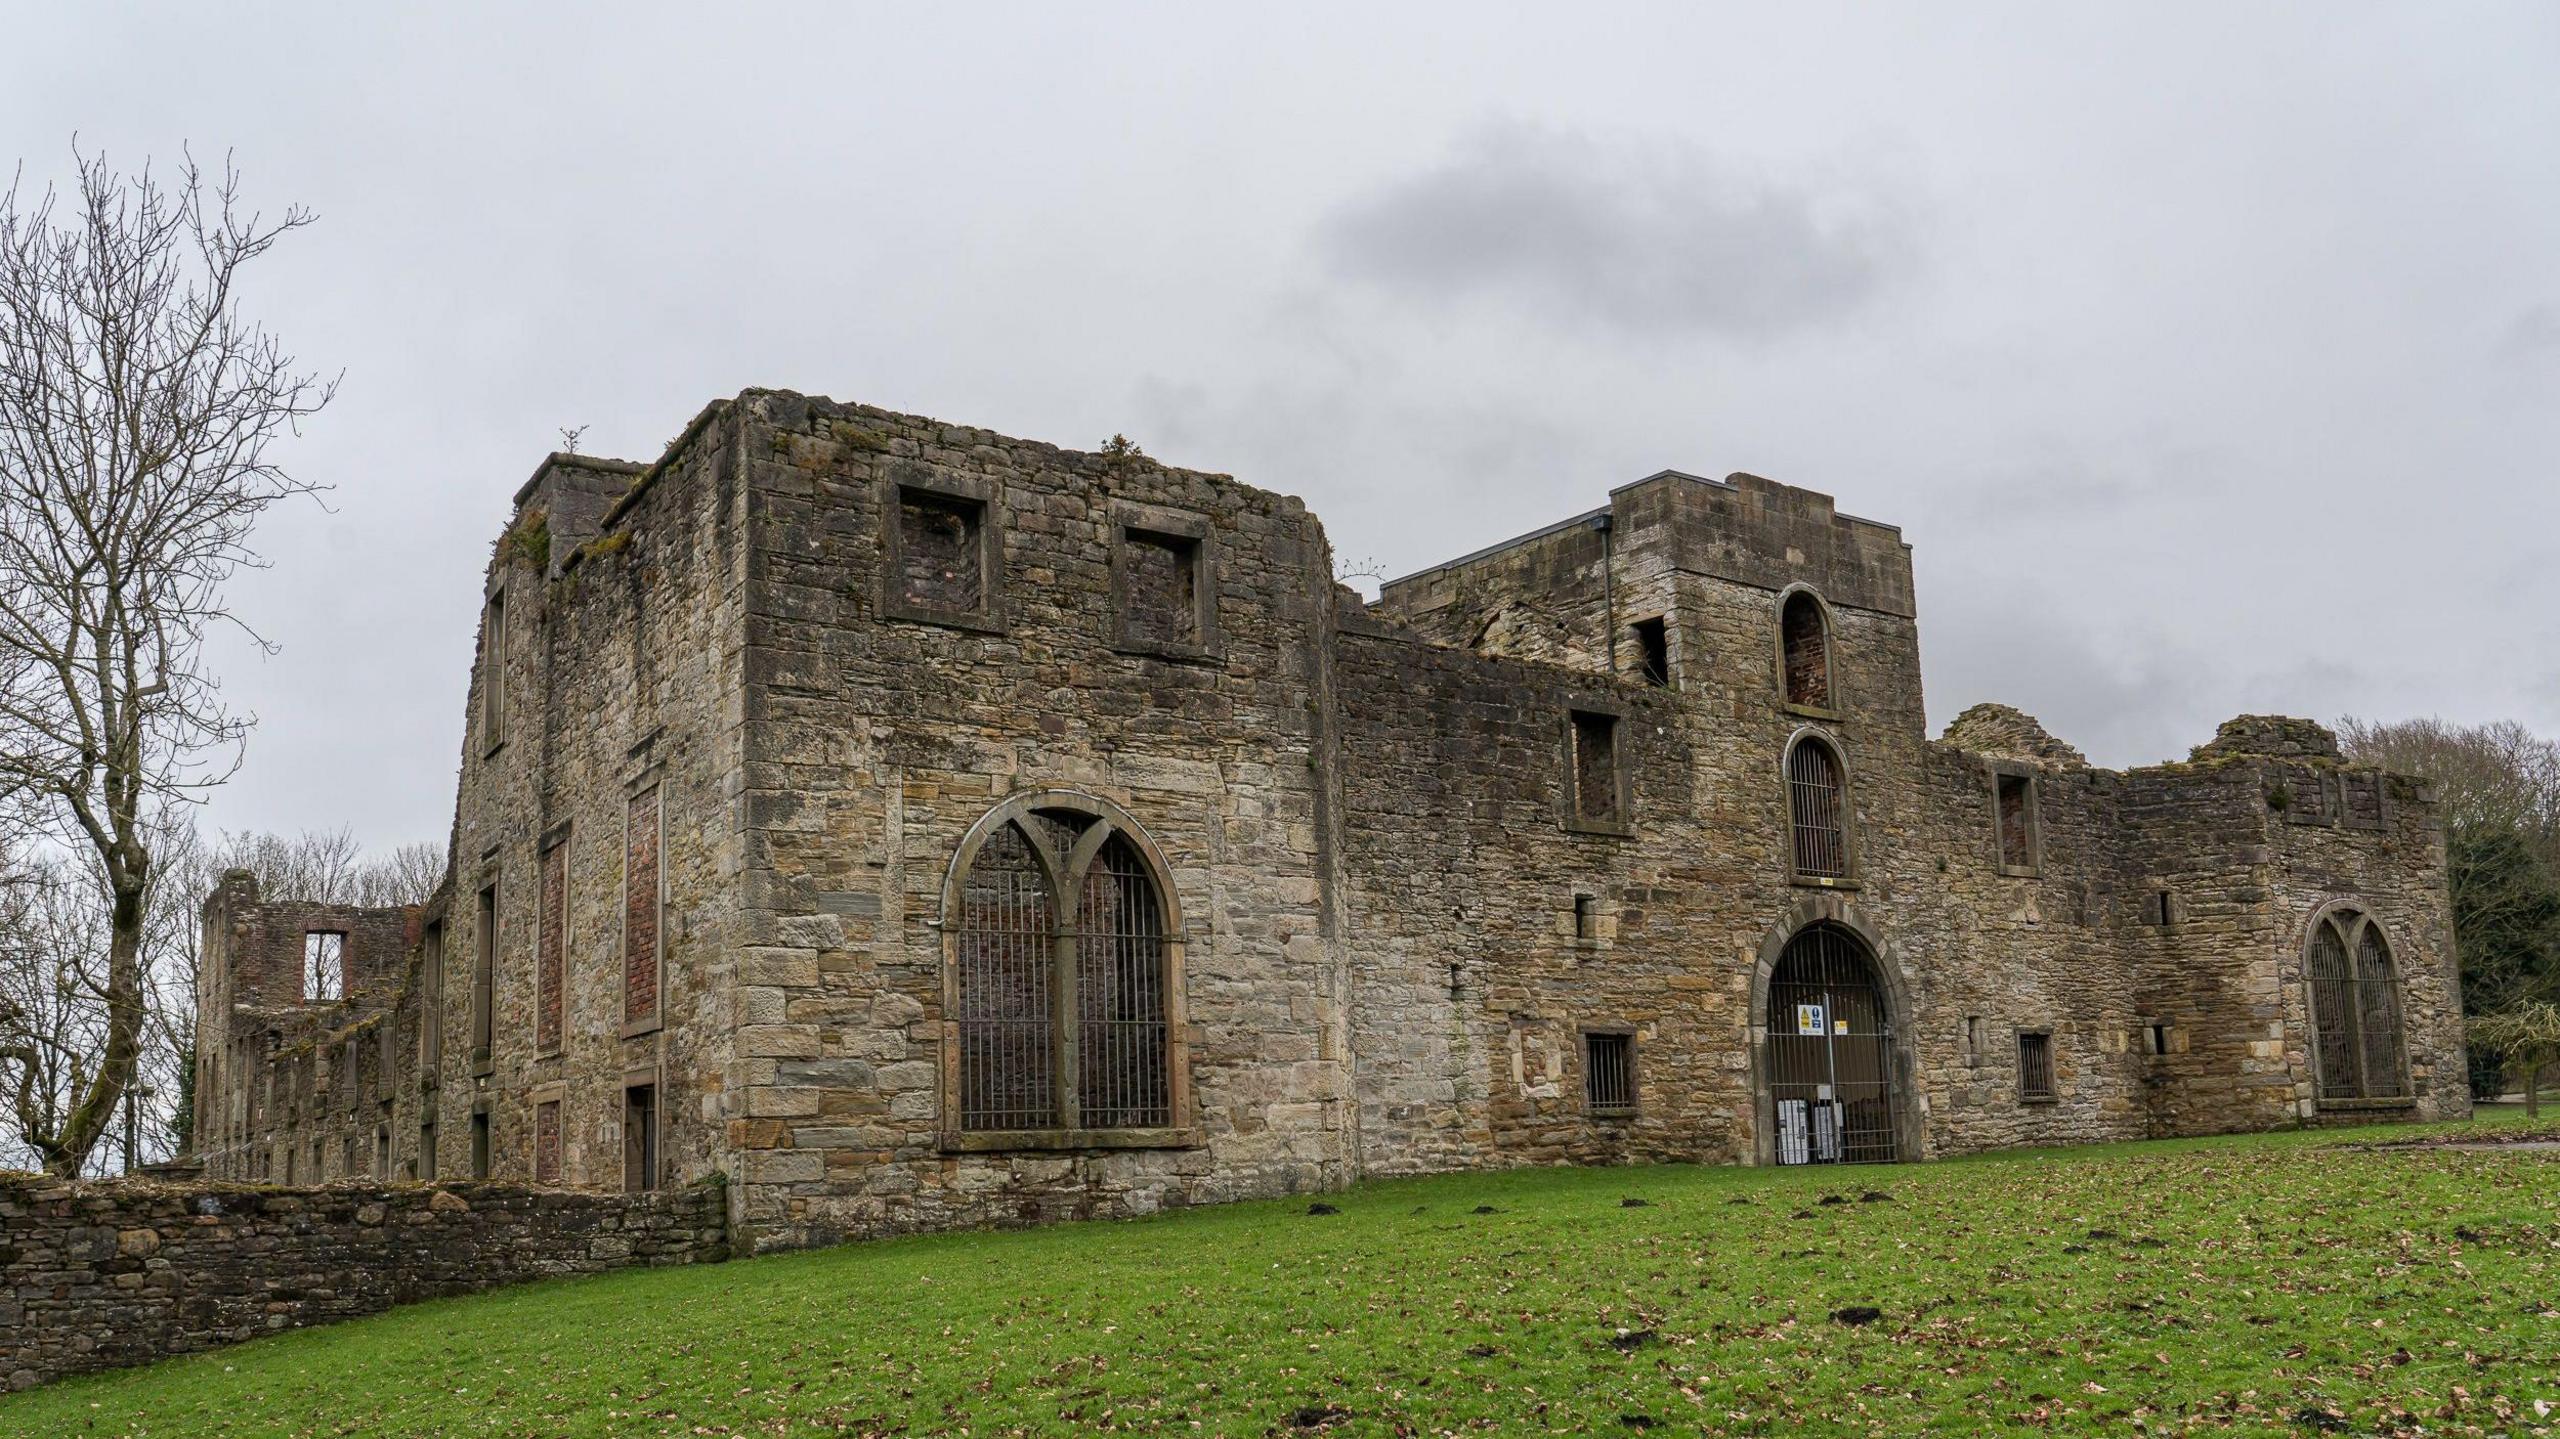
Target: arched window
x: 1804, y: 645
x: 1063, y: 956
x: 1817, y: 809
x: 2355, y: 1009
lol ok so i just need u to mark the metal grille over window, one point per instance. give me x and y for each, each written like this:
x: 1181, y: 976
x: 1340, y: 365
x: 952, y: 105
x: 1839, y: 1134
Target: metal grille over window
x: 1830, y: 1052
x: 2035, y: 1066
x: 1815, y: 803
x: 1008, y: 953
x: 1609, y: 1073
x: 1063, y: 1025
x: 2355, y: 1010
x: 1120, y: 973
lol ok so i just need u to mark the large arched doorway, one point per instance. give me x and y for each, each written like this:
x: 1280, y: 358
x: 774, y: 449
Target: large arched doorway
x: 1830, y: 1057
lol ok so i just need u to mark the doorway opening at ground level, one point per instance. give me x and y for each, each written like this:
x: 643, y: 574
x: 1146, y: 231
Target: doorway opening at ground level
x: 1830, y: 1052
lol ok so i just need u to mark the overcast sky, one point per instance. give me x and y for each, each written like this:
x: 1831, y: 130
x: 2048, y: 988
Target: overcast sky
x: 2208, y: 356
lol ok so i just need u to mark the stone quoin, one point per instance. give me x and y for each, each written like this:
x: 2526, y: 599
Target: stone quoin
x: 924, y: 828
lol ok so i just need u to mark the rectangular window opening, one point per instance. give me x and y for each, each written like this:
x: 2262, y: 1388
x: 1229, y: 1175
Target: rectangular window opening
x: 480, y: 1145
x: 427, y: 1150
x: 1973, y: 1040
x: 2035, y: 1066
x: 2157, y: 907
x: 1160, y: 589
x: 1609, y: 1073
x: 1653, y: 650
x: 551, y: 948
x: 1597, y: 782
x: 2158, y: 1036
x: 493, y: 673
x: 431, y: 1010
x: 640, y: 1138
x: 484, y: 978
x: 546, y: 1142
x: 1586, y: 916
x: 941, y: 551
x: 2017, y: 822
x: 643, y: 908
x: 324, y: 966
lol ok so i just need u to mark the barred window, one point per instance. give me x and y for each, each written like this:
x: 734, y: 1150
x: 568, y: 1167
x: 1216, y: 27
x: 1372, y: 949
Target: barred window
x: 1817, y: 803
x: 1062, y: 952
x: 2035, y: 1065
x: 2355, y: 1009
x: 1609, y: 1073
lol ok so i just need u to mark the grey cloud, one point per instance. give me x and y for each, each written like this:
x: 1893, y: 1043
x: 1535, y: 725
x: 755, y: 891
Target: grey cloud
x: 2535, y: 332
x: 1661, y: 238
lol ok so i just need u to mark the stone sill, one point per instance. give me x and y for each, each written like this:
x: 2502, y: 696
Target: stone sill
x: 986, y: 1141
x: 639, y: 1027
x: 1820, y: 881
x: 977, y: 621
x: 1609, y: 829
x: 1815, y: 712
x: 1201, y: 655
x: 2022, y: 871
x: 1620, y: 1116
x: 2040, y: 1099
x: 2409, y: 1102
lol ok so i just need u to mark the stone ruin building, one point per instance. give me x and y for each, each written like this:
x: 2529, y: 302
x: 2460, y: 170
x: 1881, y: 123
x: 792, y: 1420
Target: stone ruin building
x: 921, y: 827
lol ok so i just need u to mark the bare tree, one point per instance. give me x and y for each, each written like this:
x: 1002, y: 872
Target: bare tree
x: 138, y: 412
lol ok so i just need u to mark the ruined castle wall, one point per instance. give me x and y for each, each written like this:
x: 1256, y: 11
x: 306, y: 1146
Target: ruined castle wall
x: 881, y: 735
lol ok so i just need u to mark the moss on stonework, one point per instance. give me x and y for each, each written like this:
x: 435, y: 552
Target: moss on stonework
x: 527, y: 541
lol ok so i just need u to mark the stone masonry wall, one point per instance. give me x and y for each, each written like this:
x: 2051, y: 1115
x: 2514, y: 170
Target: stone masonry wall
x: 98, y: 1275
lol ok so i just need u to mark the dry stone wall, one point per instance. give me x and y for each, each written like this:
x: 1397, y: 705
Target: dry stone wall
x: 98, y: 1275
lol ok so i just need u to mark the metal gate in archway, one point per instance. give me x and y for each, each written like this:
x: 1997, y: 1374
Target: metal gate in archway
x: 1830, y: 1052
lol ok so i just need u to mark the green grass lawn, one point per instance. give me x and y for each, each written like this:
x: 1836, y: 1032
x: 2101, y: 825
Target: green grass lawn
x: 2277, y: 1284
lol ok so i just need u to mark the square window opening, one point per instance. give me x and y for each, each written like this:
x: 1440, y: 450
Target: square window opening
x: 1609, y: 1073
x: 324, y: 966
x: 2035, y: 1066
x: 1160, y: 589
x: 942, y: 551
x: 1653, y: 650
x: 1598, y: 784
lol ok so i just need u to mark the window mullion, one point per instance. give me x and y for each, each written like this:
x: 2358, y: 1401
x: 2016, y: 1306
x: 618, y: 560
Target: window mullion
x: 1063, y: 1025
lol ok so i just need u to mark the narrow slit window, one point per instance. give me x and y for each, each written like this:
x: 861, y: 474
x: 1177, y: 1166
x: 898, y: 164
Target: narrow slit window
x: 1653, y: 650
x: 484, y: 975
x: 493, y: 672
x: 324, y: 966
x: 546, y: 1142
x: 2035, y: 1066
x: 640, y: 1138
x: 1973, y: 1040
x: 2017, y: 818
x: 426, y: 1150
x: 480, y: 1145
x: 2158, y: 1035
x: 643, y: 908
x: 431, y: 1008
x: 1805, y: 648
x: 1609, y: 1073
x: 1586, y: 916
x: 1598, y: 784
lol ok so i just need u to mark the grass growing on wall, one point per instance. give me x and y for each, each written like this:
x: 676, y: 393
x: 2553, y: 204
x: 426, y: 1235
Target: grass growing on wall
x: 2277, y: 1284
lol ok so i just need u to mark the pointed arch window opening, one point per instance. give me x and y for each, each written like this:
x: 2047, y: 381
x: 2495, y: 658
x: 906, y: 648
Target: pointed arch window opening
x: 1063, y: 981
x: 2356, y: 1010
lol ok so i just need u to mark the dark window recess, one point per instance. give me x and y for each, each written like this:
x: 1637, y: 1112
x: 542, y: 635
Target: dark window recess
x: 1653, y: 650
x: 2035, y: 1066
x: 480, y: 1145
x: 493, y: 672
x: 2159, y: 1038
x: 640, y: 1137
x: 1973, y: 1039
x: 484, y: 974
x: 2157, y: 907
x: 1595, y: 768
x: 941, y: 555
x: 1586, y: 916
x: 2017, y: 822
x: 426, y: 1149
x: 1161, y: 588
x: 1806, y: 643
x: 1609, y: 1072
x: 324, y: 967
x: 1816, y: 808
